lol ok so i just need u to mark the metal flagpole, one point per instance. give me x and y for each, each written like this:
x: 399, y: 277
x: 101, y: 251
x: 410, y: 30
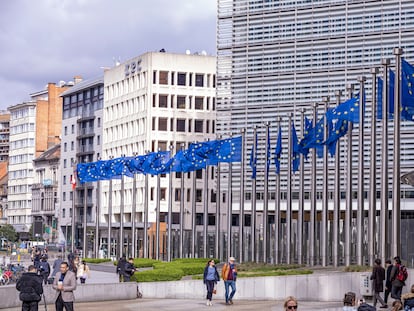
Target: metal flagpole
x: 182, y: 211
x: 73, y: 222
x: 266, y: 195
x: 348, y: 208
x: 218, y: 201
x: 301, y: 194
x: 325, y: 210
x: 241, y: 218
x: 289, y: 193
x: 157, y: 218
x: 277, y: 209
x: 337, y: 198
x: 384, y: 164
x: 146, y: 217
x: 85, y: 224
x: 312, y: 233
x: 193, y: 216
x: 205, y: 214
x: 98, y: 202
x: 110, y: 218
x: 133, y: 215
x: 170, y: 204
x: 373, y: 171
x: 396, y: 208
x: 229, y: 210
x: 361, y: 191
x: 253, y: 217
x: 121, y: 217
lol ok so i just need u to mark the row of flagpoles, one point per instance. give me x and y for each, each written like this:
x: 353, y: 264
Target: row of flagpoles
x: 319, y: 137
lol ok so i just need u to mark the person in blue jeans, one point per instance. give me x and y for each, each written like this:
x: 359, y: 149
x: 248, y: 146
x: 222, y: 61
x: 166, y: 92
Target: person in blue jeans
x: 211, y: 277
x: 229, y: 276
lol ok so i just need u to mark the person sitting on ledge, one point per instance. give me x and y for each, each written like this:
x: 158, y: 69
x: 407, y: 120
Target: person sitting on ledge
x: 349, y: 302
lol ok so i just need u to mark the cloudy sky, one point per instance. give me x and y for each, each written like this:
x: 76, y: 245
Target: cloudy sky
x: 51, y: 40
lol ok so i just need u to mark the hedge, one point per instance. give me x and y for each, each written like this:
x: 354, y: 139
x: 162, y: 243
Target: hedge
x: 96, y: 260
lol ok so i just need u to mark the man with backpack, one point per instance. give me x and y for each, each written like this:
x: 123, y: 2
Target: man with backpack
x: 398, y: 276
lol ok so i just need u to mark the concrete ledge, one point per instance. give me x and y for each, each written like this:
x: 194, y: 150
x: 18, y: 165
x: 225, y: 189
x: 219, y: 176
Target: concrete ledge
x: 328, y: 287
x: 9, y: 296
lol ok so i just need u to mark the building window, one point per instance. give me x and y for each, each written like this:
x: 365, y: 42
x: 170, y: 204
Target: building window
x: 163, y: 124
x: 199, y: 195
x: 163, y: 101
x: 162, y: 145
x: 172, y: 78
x: 64, y: 179
x: 63, y: 213
x: 177, y: 196
x: 189, y: 126
x: 98, y: 140
x: 73, y: 129
x: 163, y: 77
x: 66, y: 130
x: 65, y: 147
x: 198, y: 126
x: 64, y: 196
x: 198, y: 105
x: 188, y: 195
x: 180, y: 102
x: 154, y: 77
x: 163, y: 193
x: 178, y: 174
x: 181, y: 79
x: 99, y: 122
x: 199, y: 174
x: 154, y: 122
x: 190, y: 82
x: 71, y: 195
x: 72, y: 145
x: 64, y: 163
x: 154, y: 100
x: 199, y: 80
x: 180, y: 125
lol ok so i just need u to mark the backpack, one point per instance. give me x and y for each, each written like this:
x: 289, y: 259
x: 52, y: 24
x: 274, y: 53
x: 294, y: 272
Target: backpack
x: 44, y: 266
x: 402, y: 273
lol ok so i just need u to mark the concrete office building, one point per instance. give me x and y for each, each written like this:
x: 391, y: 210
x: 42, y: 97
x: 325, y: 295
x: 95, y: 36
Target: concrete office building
x: 154, y: 101
x: 35, y: 126
x: 276, y: 57
x: 81, y: 142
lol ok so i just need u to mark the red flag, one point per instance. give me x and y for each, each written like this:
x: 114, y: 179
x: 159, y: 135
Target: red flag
x: 73, y: 181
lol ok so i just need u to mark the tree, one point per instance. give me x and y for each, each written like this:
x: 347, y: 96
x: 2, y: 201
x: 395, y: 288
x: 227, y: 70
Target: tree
x: 8, y: 232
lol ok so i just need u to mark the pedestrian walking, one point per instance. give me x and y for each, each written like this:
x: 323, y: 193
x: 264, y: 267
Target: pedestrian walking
x: 129, y: 270
x: 396, y: 280
x: 120, y: 268
x: 44, y: 269
x: 407, y: 300
x: 83, y: 272
x: 210, y: 279
x: 378, y: 277
x: 388, y: 284
x: 64, y: 284
x: 229, y: 275
x: 291, y: 303
x: 31, y: 289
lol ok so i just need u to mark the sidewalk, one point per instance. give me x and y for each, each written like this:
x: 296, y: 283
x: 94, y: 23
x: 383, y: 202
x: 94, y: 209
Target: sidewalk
x: 185, y: 304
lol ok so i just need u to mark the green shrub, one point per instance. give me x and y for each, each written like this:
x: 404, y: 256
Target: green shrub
x: 356, y: 268
x: 142, y: 262
x: 195, y: 260
x: 274, y: 273
x: 252, y: 266
x: 158, y: 275
x: 96, y: 260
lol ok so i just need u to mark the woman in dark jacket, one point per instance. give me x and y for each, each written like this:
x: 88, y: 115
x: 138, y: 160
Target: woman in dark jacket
x: 210, y: 278
x: 378, y: 277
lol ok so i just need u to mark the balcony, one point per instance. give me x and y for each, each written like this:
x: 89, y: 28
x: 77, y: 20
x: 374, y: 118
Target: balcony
x: 87, y: 114
x: 85, y: 149
x: 86, y: 132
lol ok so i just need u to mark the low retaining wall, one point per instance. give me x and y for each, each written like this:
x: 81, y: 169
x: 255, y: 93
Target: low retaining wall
x: 9, y: 296
x: 330, y: 286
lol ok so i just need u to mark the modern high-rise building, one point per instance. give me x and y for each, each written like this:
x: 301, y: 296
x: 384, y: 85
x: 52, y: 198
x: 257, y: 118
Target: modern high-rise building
x: 35, y: 126
x: 81, y: 142
x: 276, y: 57
x: 152, y: 102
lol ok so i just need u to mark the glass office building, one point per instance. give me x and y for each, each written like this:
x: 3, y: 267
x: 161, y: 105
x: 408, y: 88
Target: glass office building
x: 278, y: 56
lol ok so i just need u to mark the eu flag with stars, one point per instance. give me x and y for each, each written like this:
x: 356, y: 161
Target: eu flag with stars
x: 407, y: 91
x: 278, y: 150
x: 391, y: 87
x: 295, y: 150
x: 229, y: 149
x: 253, y: 158
x: 157, y: 163
x: 348, y: 110
x: 313, y: 138
x: 340, y: 128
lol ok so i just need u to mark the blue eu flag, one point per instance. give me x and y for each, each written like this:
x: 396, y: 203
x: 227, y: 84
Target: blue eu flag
x: 278, y: 150
x: 253, y: 158
x: 348, y: 110
x: 295, y: 150
x: 313, y: 138
x: 391, y: 87
x: 407, y: 91
x: 340, y: 128
x: 157, y: 163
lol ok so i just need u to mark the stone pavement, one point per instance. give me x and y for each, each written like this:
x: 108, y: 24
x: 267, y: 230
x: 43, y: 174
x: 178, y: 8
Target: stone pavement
x: 185, y: 304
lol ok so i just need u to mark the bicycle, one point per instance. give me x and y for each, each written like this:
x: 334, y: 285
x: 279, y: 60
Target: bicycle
x: 4, y: 277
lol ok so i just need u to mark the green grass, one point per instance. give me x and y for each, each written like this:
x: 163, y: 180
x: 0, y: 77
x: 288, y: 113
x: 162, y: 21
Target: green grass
x: 356, y: 268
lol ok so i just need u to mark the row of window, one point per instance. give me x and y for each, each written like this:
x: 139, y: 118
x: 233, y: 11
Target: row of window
x: 74, y: 110
x: 20, y: 174
x: 22, y: 143
x: 22, y: 128
x: 183, y: 78
x: 16, y: 204
x: 19, y: 219
x: 21, y: 158
x: 183, y: 125
x: 85, y: 96
x: 22, y: 113
x: 184, y: 102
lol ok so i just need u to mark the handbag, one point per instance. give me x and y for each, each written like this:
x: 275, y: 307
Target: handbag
x: 215, y: 289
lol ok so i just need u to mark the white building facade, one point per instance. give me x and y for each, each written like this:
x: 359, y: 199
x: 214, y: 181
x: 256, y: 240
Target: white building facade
x: 152, y: 102
x: 276, y: 57
x: 21, y: 155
